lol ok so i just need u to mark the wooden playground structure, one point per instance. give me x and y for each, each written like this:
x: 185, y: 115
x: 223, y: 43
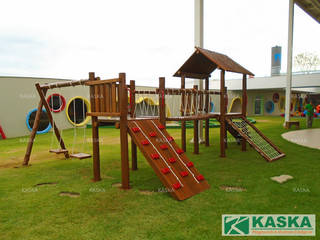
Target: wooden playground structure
x: 115, y: 99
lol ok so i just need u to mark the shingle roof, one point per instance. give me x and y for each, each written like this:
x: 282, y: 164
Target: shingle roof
x: 203, y: 62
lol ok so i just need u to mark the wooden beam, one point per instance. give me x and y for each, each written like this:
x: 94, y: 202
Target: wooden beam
x: 34, y: 131
x: 124, y: 132
x: 99, y: 82
x: 183, y: 123
x: 134, y: 162
x: 195, y: 125
x: 95, y: 133
x: 206, y: 131
x: 222, y: 115
x: 162, y: 101
x: 244, y: 107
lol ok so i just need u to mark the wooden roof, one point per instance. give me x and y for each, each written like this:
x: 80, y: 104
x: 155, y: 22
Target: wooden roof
x: 311, y: 7
x: 203, y: 62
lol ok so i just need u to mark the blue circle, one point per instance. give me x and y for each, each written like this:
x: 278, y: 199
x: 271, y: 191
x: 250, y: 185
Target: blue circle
x: 30, y: 128
x: 269, y: 106
x: 212, y: 107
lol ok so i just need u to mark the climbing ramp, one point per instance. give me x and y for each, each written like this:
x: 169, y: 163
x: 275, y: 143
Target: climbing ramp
x: 169, y: 162
x: 255, y: 138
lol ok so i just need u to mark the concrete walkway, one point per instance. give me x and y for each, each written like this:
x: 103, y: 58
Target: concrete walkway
x: 308, y: 137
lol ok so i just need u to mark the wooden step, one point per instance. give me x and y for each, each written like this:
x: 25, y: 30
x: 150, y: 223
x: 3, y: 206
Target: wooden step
x: 58, y: 151
x: 80, y: 155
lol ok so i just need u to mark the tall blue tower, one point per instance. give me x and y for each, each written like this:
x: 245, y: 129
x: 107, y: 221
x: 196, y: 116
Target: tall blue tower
x: 275, y: 60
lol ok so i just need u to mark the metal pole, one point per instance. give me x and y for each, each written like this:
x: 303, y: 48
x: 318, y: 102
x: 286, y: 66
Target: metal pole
x: 198, y: 42
x: 289, y: 62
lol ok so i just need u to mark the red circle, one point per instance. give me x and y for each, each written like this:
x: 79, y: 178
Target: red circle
x: 63, y: 102
x: 276, y: 97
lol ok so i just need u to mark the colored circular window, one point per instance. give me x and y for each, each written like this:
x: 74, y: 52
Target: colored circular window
x: 276, y: 97
x: 44, y: 124
x: 212, y: 108
x: 76, y: 111
x: 269, y: 106
x: 56, y: 102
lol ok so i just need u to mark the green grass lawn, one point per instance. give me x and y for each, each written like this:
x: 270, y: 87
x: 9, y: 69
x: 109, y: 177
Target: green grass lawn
x: 103, y: 211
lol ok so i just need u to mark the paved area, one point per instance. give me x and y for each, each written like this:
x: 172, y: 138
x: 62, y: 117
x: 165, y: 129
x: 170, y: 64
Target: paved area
x: 308, y: 137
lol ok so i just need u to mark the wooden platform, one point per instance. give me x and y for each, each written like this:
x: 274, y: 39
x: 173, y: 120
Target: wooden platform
x: 58, y: 151
x: 80, y: 155
x: 172, y: 166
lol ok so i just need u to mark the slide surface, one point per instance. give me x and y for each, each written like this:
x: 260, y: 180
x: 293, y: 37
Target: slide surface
x: 170, y: 163
x: 256, y: 138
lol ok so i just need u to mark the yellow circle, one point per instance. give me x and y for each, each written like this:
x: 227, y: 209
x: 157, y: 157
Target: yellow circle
x: 86, y: 102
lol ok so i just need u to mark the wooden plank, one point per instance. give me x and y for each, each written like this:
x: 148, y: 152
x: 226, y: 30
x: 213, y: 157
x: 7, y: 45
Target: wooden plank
x: 99, y: 82
x: 96, y: 97
x: 113, y: 98
x: 106, y: 114
x: 108, y: 97
x: 102, y: 97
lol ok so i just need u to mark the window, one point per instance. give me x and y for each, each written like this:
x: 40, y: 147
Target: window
x: 258, y: 103
x: 56, y: 102
x: 76, y: 111
x: 269, y: 106
x: 44, y: 124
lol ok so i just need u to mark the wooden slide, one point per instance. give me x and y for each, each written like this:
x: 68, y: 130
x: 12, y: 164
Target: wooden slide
x: 255, y: 138
x: 170, y: 163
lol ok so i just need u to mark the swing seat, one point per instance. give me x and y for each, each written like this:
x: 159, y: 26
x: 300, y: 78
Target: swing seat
x: 58, y: 151
x: 80, y: 155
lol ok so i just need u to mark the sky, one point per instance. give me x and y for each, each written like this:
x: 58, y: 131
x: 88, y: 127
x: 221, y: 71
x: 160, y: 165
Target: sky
x: 147, y: 39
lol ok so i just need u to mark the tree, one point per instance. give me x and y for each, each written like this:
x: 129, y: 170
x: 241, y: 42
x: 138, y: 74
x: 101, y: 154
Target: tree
x: 306, y: 61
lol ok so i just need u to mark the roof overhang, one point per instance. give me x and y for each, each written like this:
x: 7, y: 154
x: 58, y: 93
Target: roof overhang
x: 203, y: 62
x: 311, y: 7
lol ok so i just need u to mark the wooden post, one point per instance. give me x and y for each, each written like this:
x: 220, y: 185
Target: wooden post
x: 206, y: 133
x: 34, y: 131
x: 222, y: 115
x: 183, y: 123
x: 244, y: 107
x: 162, y: 101
x: 55, y: 128
x: 95, y: 132
x: 195, y: 123
x: 124, y: 131
x: 132, y: 115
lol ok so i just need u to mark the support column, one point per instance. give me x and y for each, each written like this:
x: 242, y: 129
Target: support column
x: 124, y: 132
x: 183, y: 123
x: 206, y: 111
x: 162, y: 101
x: 289, y: 63
x: 95, y: 134
x: 244, y: 107
x: 222, y: 115
x: 198, y: 42
x: 132, y: 115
